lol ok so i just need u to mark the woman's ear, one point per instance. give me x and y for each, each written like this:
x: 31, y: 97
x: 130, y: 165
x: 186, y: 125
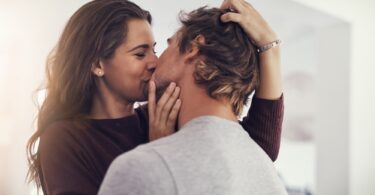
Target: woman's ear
x: 97, y: 68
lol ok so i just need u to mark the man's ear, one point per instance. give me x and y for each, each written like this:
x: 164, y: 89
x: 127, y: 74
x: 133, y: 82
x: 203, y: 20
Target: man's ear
x: 193, y: 52
x: 200, y: 40
x: 97, y: 68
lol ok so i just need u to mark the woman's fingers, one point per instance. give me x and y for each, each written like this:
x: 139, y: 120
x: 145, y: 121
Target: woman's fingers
x: 250, y: 20
x: 231, y: 17
x: 225, y: 4
x: 235, y: 5
x: 165, y: 111
x: 151, y: 100
x: 164, y: 98
x: 172, y: 119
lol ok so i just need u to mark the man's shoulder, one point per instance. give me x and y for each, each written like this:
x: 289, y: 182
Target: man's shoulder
x: 141, y: 153
x: 139, y: 171
x: 139, y: 161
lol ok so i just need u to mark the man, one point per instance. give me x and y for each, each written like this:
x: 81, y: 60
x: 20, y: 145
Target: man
x: 215, y: 64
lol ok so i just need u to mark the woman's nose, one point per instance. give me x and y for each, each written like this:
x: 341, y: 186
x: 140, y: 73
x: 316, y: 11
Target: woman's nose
x: 152, y: 63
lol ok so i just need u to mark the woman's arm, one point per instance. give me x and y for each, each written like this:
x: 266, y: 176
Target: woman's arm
x: 62, y: 170
x: 261, y: 34
x: 263, y: 123
x: 264, y: 120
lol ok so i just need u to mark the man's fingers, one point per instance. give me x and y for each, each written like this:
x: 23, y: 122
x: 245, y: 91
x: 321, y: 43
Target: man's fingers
x: 169, y: 105
x: 174, y: 113
x: 151, y: 100
x: 231, y: 17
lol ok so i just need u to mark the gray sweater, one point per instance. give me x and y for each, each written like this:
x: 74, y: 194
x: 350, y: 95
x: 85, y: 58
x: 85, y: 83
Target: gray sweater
x: 209, y: 155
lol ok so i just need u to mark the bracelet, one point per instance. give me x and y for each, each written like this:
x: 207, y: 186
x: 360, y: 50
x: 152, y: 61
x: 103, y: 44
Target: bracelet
x: 268, y: 46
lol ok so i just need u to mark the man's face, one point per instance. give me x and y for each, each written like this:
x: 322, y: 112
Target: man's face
x: 170, y: 66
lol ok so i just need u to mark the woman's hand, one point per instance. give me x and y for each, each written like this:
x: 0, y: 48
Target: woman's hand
x: 163, y: 114
x: 258, y: 30
x: 250, y: 20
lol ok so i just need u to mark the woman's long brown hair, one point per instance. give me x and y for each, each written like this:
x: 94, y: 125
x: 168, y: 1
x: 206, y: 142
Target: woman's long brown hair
x: 91, y: 34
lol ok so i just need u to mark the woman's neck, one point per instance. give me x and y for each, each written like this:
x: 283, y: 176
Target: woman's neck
x: 106, y: 106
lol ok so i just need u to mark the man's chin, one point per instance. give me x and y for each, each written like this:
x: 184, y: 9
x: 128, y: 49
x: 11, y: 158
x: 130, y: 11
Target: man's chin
x: 160, y: 89
x: 145, y: 92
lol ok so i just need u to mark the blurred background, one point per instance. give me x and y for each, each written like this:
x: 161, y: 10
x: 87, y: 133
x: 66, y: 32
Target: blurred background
x: 328, y: 72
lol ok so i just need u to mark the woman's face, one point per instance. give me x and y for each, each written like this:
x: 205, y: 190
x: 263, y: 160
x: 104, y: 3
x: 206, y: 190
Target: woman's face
x: 127, y: 73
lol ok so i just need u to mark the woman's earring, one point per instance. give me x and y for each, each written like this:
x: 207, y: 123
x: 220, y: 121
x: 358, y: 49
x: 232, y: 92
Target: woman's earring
x: 100, y: 73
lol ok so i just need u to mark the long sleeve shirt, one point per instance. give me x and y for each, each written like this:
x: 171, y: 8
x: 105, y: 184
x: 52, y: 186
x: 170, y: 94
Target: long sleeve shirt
x: 75, y: 154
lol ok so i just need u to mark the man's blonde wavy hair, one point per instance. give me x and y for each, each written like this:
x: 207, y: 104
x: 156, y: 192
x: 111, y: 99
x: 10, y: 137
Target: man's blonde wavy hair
x: 229, y: 64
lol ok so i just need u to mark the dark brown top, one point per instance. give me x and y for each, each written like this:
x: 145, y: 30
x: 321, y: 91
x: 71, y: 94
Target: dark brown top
x: 75, y: 155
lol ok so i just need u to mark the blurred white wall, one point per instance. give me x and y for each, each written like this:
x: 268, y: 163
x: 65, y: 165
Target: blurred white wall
x: 361, y: 16
x: 28, y: 32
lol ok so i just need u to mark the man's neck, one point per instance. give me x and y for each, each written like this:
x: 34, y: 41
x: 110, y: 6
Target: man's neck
x: 196, y: 103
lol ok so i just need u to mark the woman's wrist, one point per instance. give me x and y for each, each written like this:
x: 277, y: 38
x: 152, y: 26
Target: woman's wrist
x: 268, y: 46
x: 266, y: 37
x: 273, y: 54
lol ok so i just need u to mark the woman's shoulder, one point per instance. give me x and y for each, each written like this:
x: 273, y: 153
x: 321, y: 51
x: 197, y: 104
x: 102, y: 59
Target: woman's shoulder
x: 65, y: 127
x: 65, y: 133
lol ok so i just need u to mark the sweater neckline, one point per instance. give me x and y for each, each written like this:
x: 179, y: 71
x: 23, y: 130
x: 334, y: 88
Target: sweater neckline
x: 114, y: 120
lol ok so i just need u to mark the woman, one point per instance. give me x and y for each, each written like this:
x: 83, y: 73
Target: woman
x: 101, y: 65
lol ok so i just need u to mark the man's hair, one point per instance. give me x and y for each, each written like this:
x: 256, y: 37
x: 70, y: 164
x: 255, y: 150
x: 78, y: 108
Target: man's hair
x: 229, y: 66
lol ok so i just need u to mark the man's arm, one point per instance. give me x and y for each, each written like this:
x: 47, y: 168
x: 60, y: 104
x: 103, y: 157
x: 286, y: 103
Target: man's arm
x: 138, y: 172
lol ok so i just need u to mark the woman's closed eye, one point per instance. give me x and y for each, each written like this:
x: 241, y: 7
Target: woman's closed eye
x: 140, y: 55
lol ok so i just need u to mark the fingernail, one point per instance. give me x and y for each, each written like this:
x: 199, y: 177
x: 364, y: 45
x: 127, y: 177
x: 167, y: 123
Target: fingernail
x: 224, y: 18
x: 152, y: 84
x: 172, y: 85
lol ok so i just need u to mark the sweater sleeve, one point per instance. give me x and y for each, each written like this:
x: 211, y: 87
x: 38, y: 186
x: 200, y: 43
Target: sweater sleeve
x: 264, y: 122
x: 138, y: 172
x: 62, y: 169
